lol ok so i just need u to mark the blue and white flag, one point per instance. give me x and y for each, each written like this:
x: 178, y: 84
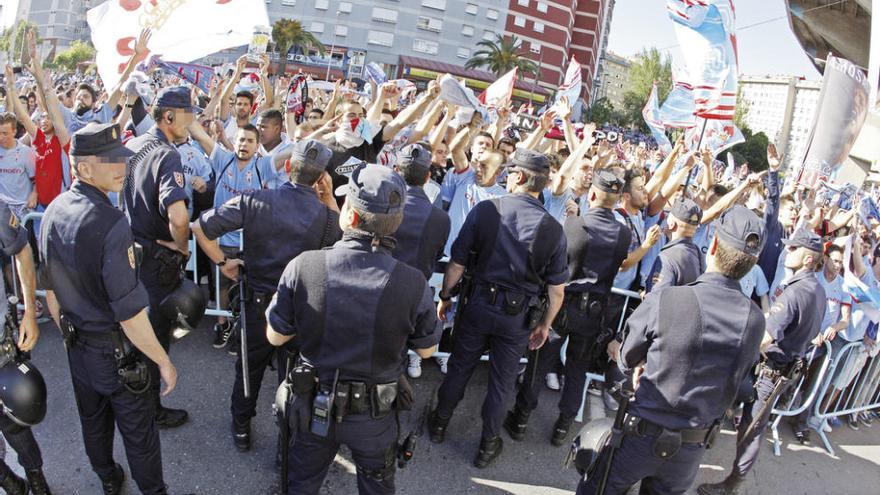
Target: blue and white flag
x: 651, y: 114
x: 717, y: 135
x: 867, y: 297
x: 375, y: 73
x: 678, y: 109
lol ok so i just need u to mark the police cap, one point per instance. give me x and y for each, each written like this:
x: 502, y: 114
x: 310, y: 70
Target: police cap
x: 605, y: 180
x: 530, y: 160
x: 312, y: 153
x: 741, y: 229
x: 806, y: 239
x: 376, y: 189
x: 687, y: 211
x: 101, y: 140
x: 176, y: 97
x: 414, y: 156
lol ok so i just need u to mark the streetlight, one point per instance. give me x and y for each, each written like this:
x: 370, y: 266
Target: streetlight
x: 332, y: 47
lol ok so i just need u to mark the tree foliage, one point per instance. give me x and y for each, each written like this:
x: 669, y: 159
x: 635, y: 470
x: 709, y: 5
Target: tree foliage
x: 77, y: 53
x: 602, y: 112
x: 289, y: 34
x: 742, y: 111
x: 16, y: 34
x: 501, y: 56
x: 647, y: 67
x: 753, y: 150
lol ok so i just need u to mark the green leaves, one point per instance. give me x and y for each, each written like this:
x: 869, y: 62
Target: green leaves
x: 502, y: 55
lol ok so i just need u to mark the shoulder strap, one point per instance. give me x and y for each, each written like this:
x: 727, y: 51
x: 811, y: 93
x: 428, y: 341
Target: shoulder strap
x: 225, y: 167
x: 331, y: 217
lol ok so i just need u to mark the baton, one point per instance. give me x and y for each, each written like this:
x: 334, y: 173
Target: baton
x: 243, y: 327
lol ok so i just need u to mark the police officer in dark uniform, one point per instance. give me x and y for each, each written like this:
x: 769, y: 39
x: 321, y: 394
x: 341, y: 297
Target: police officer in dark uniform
x: 95, y: 297
x: 680, y: 261
x: 597, y: 245
x: 519, y: 253
x: 795, y: 319
x: 156, y: 206
x: 14, y: 243
x: 278, y: 225
x: 686, y: 369
x: 425, y: 228
x: 354, y: 311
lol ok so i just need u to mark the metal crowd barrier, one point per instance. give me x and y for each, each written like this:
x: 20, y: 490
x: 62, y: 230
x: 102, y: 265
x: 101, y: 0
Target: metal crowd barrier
x: 791, y: 409
x: 859, y: 375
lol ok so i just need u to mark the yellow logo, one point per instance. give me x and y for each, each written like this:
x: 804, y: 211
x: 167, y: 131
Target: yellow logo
x: 13, y: 220
x: 131, y: 259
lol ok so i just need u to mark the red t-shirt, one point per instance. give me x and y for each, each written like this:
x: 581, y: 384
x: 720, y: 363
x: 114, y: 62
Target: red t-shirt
x: 48, y: 176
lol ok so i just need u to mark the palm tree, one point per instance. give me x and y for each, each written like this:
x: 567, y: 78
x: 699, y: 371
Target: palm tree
x: 289, y: 34
x: 502, y: 55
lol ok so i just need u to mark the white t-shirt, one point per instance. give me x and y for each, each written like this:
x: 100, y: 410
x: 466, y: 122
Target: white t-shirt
x: 835, y: 298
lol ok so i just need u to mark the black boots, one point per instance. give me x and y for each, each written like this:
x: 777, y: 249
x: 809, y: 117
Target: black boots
x: 11, y: 482
x: 113, y: 484
x: 516, y: 423
x: 560, y: 431
x: 730, y: 486
x: 437, y: 427
x: 490, y: 449
x: 170, y: 418
x: 37, y: 482
x: 241, y: 435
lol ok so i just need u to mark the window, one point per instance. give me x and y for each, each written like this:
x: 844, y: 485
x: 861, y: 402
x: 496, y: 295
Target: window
x: 471, y: 8
x: 425, y: 46
x: 492, y: 14
x: 488, y: 35
x: 522, y: 3
x: 539, y: 27
x: 434, y: 4
x: 322, y: 4
x: 464, y: 52
x: 467, y: 30
x: 289, y: 3
x: 384, y: 15
x: 317, y: 27
x: 341, y: 30
x: 519, y: 21
x: 535, y: 47
x: 429, y: 24
x: 345, y: 7
x: 542, y: 7
x: 380, y: 38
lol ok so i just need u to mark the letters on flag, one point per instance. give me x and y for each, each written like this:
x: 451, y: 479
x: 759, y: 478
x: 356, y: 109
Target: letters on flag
x: 182, y: 30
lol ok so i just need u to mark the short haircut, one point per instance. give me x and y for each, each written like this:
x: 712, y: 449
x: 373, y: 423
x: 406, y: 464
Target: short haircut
x: 88, y: 87
x: 9, y: 118
x: 485, y: 135
x: 32, y: 95
x: 245, y: 94
x: 251, y: 128
x: 378, y: 223
x: 555, y: 161
x: 731, y: 262
x: 386, y: 111
x: 604, y: 199
x: 833, y: 248
x: 317, y: 111
x: 786, y: 198
x: 508, y: 141
x: 629, y: 177
x: 158, y: 112
x: 273, y: 115
x: 719, y: 190
x: 535, y: 181
x: 305, y: 173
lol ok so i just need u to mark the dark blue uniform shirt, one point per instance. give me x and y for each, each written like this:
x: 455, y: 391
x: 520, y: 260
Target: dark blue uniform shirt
x: 13, y: 237
x: 697, y: 351
x: 680, y: 263
x: 423, y: 234
x: 355, y: 309
x: 88, y: 258
x: 519, y: 246
x: 278, y: 224
x: 155, y: 181
x: 597, y: 245
x: 795, y: 319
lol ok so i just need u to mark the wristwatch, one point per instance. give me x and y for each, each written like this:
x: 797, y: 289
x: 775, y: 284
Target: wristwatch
x: 222, y: 263
x: 444, y: 298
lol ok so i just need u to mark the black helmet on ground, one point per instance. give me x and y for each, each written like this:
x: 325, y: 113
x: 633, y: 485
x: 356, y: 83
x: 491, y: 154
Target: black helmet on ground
x: 185, y: 305
x: 588, y: 445
x: 22, y: 393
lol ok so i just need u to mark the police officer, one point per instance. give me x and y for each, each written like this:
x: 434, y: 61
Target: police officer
x: 795, y: 319
x: 354, y: 311
x: 680, y: 261
x: 687, y: 370
x: 14, y: 243
x: 519, y: 255
x: 92, y: 289
x: 278, y: 224
x: 156, y: 205
x: 597, y: 245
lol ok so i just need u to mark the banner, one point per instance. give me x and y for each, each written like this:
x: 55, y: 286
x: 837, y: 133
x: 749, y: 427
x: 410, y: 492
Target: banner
x: 706, y: 34
x: 571, y: 85
x: 868, y: 297
x: 718, y: 136
x: 182, y: 30
x: 840, y: 113
x: 498, y: 93
x: 678, y: 109
x: 651, y: 114
x: 197, y: 75
x: 375, y: 73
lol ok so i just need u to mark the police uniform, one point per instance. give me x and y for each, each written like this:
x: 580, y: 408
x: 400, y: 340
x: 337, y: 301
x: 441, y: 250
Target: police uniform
x: 425, y: 228
x: 680, y: 261
x: 519, y: 249
x: 597, y: 244
x: 14, y: 239
x: 88, y: 257
x: 277, y: 225
x: 156, y: 181
x: 354, y: 311
x: 795, y: 319
x: 693, y: 368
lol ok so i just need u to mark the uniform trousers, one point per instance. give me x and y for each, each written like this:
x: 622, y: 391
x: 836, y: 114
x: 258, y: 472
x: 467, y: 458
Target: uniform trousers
x: 635, y: 460
x: 102, y: 401
x: 153, y: 275
x: 260, y: 353
x: 747, y: 449
x: 484, y: 324
x: 373, y: 446
x: 22, y: 442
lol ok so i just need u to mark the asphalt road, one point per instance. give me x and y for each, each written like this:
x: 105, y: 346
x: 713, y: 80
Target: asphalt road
x: 199, y: 456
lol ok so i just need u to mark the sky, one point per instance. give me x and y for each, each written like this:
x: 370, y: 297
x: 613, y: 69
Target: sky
x: 768, y: 48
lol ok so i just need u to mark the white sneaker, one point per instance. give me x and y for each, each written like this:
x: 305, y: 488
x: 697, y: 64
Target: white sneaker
x: 414, y: 370
x: 443, y: 362
x: 552, y: 380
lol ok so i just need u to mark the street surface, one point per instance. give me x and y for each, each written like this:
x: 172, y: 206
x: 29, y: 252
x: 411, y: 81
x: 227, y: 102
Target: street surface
x: 200, y: 458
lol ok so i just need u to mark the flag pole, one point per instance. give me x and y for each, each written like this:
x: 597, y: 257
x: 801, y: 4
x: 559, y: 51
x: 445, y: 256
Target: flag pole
x: 699, y: 143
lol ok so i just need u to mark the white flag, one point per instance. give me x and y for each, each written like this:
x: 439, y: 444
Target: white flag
x: 183, y: 30
x: 571, y: 85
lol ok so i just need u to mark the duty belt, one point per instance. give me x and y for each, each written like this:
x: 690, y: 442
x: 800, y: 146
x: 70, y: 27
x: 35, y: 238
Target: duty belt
x: 635, y: 425
x: 513, y: 303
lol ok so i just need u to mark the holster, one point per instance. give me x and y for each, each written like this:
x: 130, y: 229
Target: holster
x: 537, y: 311
x: 406, y: 397
x: 68, y: 332
x: 130, y: 366
x: 173, y: 264
x: 383, y: 398
x: 513, y: 302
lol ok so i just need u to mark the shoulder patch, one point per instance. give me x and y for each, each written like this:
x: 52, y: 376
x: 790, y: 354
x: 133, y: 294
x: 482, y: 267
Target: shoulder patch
x: 178, y: 177
x: 131, y: 258
x: 13, y: 220
x: 776, y: 308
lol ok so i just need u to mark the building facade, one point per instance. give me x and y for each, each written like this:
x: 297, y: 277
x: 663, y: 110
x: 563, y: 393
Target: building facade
x: 59, y: 22
x: 783, y: 108
x: 611, y: 83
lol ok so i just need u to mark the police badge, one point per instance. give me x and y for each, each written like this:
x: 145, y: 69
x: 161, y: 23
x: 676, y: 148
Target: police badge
x: 178, y: 177
x: 131, y: 259
x: 13, y: 220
